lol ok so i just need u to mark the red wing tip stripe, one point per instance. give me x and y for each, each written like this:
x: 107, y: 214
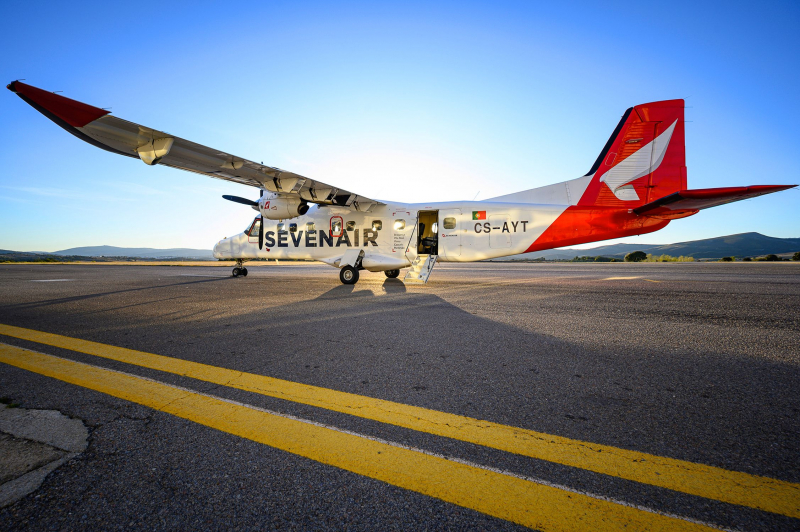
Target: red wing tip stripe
x: 73, y: 112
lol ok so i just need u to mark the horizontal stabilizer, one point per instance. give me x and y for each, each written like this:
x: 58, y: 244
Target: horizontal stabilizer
x: 688, y: 202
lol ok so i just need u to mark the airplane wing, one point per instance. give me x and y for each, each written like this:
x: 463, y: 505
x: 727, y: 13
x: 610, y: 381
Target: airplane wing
x: 98, y: 127
x: 688, y: 202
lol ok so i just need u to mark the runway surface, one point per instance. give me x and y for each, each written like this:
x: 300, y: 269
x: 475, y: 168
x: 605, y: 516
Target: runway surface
x: 497, y: 396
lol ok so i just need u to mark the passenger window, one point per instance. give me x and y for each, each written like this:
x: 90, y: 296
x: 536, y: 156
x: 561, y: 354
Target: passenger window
x: 336, y: 226
x: 350, y: 226
x: 399, y: 225
x: 449, y: 223
x: 377, y: 225
x: 310, y: 226
x: 281, y: 226
x: 292, y: 228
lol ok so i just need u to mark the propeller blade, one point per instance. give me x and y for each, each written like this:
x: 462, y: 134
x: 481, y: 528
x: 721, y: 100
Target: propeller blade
x: 243, y: 201
x: 261, y: 234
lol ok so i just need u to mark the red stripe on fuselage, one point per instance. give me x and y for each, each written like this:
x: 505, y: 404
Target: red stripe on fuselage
x: 580, y: 225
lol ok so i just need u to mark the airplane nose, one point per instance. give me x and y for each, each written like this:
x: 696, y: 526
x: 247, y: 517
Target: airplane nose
x: 219, y: 249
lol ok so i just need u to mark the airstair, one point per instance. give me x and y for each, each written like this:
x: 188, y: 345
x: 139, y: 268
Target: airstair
x: 420, y: 269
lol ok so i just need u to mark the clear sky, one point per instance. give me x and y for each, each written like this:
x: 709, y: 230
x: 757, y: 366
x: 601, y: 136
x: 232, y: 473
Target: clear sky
x: 402, y: 101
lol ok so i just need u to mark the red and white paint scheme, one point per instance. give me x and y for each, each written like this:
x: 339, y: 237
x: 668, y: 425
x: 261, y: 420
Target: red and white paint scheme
x: 637, y: 185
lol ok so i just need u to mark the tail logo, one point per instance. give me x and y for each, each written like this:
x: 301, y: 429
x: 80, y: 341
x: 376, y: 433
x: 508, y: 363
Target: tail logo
x: 644, y: 161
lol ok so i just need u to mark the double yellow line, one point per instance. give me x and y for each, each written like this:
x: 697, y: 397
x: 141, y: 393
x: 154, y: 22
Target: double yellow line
x: 494, y: 493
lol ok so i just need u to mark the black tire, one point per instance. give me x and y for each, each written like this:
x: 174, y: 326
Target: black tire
x: 392, y: 274
x: 244, y: 272
x: 236, y: 272
x: 348, y: 275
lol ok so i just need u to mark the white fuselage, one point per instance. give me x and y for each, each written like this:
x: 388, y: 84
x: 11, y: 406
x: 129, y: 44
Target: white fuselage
x: 388, y: 234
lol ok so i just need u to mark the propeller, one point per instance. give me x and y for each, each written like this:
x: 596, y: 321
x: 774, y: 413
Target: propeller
x: 243, y: 201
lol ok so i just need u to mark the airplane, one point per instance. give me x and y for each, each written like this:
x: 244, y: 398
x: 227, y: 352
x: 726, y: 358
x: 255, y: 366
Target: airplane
x: 636, y: 185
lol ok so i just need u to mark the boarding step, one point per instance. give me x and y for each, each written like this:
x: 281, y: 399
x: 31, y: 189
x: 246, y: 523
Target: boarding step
x: 420, y: 269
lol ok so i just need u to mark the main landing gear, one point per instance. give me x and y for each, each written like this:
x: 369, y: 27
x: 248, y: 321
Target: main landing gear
x: 239, y: 269
x: 348, y: 275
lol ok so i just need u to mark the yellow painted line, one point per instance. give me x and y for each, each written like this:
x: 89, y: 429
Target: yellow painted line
x: 489, y: 492
x: 733, y: 487
x: 621, y: 278
x: 652, y: 281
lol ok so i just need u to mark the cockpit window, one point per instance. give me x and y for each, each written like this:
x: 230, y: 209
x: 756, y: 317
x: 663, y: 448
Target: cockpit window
x: 253, y: 229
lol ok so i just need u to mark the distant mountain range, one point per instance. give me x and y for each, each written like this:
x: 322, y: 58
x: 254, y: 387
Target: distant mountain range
x: 741, y: 245
x: 107, y: 252
x: 145, y: 253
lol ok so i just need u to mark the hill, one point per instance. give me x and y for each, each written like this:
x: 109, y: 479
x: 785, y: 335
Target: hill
x: 739, y: 245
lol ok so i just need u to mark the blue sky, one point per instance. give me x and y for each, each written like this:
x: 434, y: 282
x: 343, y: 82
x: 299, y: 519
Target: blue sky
x: 403, y: 101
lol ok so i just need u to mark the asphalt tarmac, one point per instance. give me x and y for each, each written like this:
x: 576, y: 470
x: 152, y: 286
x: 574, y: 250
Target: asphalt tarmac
x: 697, y: 363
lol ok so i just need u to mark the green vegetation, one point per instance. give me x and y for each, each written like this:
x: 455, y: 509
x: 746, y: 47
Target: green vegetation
x: 599, y: 258
x: 769, y: 258
x: 726, y: 259
x: 796, y: 256
x: 667, y: 258
x: 636, y: 256
x: 747, y: 259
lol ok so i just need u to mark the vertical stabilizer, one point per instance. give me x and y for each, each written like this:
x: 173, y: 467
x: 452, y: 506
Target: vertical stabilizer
x: 643, y: 160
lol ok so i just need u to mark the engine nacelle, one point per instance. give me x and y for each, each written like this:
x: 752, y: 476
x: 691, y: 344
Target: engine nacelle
x: 274, y: 207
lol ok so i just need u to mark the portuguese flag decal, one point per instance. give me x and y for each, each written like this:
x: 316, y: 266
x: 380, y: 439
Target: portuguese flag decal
x: 478, y: 215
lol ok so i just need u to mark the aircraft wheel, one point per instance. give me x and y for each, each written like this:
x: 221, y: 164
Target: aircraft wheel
x: 244, y: 272
x: 392, y: 274
x: 237, y: 271
x: 348, y: 275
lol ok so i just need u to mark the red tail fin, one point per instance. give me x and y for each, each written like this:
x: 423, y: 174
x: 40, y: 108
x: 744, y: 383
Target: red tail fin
x: 645, y: 158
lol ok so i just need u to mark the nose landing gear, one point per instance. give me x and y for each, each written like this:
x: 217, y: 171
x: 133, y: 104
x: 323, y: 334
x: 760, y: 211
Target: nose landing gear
x: 239, y: 269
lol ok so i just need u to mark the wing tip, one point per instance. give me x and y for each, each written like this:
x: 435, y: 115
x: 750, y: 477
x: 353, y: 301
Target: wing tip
x: 50, y: 104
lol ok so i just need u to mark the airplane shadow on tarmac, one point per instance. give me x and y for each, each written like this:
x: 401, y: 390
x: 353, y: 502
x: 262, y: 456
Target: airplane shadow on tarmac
x: 390, y: 286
